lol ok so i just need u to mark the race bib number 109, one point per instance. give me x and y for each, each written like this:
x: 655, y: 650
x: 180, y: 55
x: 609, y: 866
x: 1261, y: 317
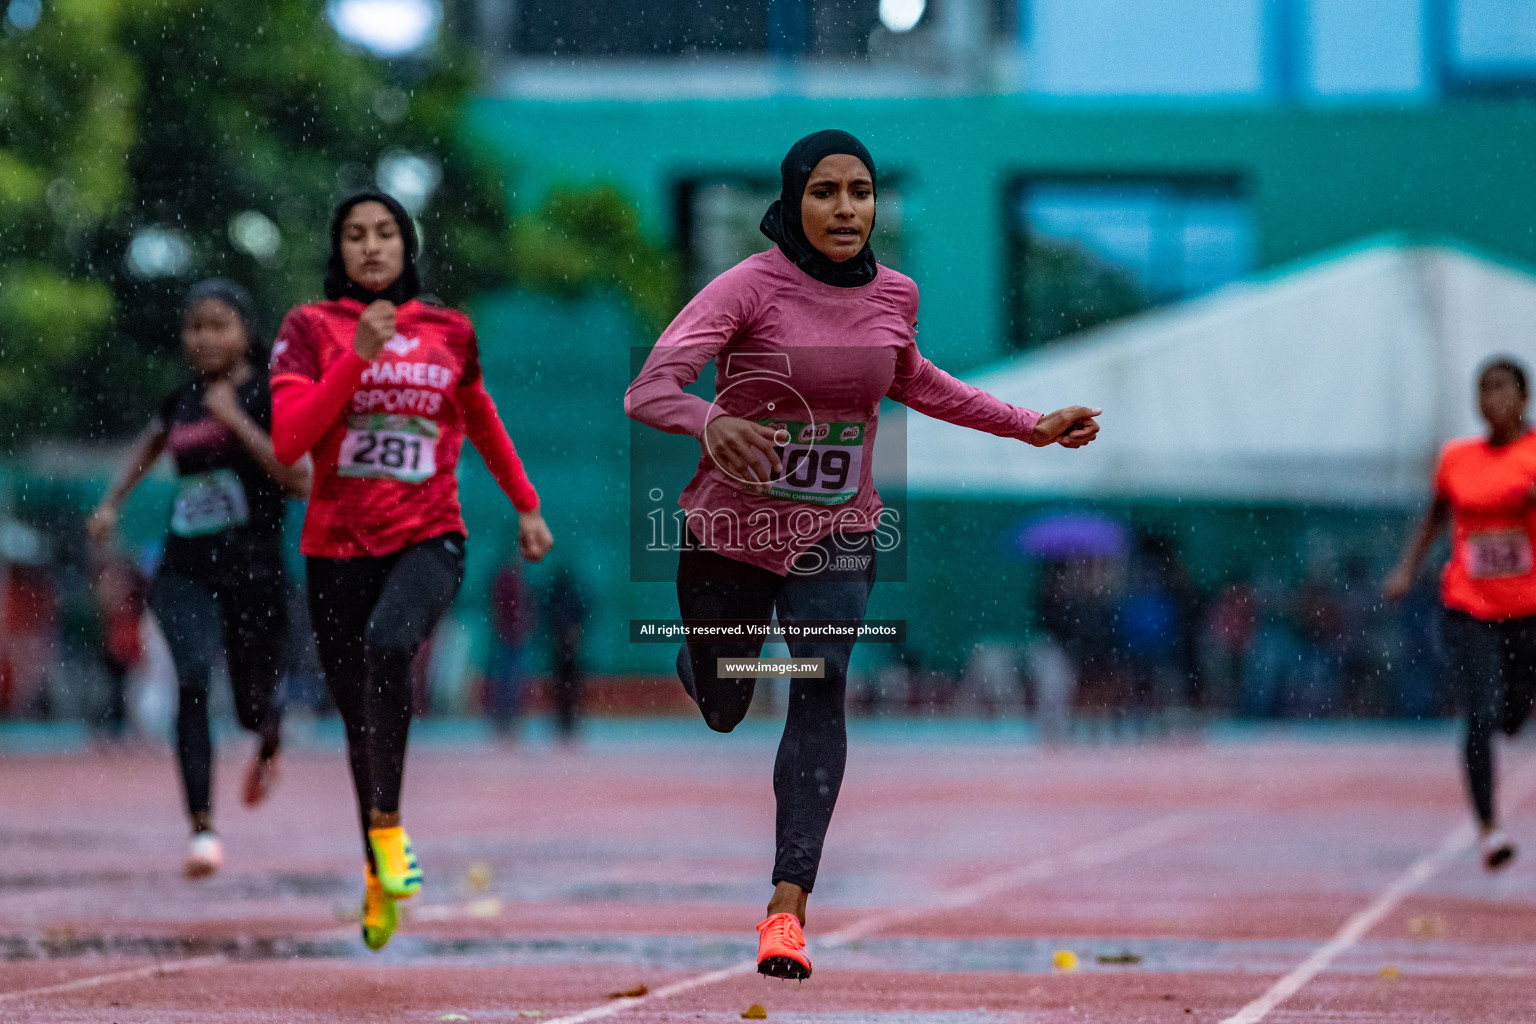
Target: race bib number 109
x: 402, y: 448
x: 822, y: 461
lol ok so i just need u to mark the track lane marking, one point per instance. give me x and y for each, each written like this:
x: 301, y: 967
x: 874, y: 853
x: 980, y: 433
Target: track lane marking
x: 1094, y: 854
x: 158, y: 970
x: 1361, y: 923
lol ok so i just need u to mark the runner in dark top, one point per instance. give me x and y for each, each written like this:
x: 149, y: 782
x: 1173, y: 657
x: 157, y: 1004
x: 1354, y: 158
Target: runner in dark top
x: 220, y: 586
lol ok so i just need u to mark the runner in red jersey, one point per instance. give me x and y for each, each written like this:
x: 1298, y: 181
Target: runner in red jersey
x: 1485, y: 487
x: 382, y: 388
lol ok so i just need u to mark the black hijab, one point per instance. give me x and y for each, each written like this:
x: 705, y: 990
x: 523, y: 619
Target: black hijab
x: 339, y: 285
x: 782, y: 221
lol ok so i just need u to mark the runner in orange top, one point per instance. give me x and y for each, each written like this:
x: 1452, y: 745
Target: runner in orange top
x: 1486, y: 489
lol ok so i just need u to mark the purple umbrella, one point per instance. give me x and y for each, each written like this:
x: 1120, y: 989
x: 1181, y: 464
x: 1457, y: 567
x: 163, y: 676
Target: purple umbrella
x: 1058, y: 535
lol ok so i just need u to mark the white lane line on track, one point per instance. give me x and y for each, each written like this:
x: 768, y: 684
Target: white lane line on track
x: 162, y: 969
x: 1358, y: 926
x: 137, y: 974
x: 1105, y: 851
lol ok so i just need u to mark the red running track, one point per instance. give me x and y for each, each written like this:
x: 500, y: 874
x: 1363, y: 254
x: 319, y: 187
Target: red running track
x: 1276, y: 877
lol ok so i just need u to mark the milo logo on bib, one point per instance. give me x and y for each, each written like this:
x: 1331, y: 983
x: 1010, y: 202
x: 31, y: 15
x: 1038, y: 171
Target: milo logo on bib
x: 822, y: 461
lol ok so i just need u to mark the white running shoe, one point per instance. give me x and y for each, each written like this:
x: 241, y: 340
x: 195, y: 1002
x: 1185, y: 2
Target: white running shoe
x: 1497, y: 850
x: 205, y: 856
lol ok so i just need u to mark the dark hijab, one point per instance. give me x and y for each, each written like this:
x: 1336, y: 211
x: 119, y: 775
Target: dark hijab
x: 338, y: 285
x: 782, y: 221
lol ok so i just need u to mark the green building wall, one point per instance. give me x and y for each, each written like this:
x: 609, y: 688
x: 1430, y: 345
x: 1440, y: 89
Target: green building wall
x: 1315, y: 179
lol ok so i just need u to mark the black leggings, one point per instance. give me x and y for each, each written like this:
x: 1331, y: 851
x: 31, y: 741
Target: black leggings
x: 813, y: 751
x: 371, y: 616
x: 1493, y: 668
x: 246, y: 619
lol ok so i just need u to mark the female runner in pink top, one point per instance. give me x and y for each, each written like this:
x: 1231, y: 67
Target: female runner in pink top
x: 807, y: 338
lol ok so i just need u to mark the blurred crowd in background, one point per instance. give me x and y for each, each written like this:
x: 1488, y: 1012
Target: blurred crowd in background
x: 1129, y: 642
x: 1114, y: 635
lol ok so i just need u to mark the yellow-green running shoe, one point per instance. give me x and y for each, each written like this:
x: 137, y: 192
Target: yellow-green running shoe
x: 395, y: 862
x: 379, y: 914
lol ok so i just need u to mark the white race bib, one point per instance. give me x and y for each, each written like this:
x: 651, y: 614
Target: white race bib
x: 822, y: 461
x: 402, y: 448
x: 209, y: 503
x: 1498, y: 553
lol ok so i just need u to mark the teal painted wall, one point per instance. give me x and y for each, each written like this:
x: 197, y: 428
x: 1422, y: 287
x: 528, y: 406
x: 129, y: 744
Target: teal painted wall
x: 1316, y: 178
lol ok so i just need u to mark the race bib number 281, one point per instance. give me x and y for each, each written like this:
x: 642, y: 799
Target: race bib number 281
x: 822, y: 461
x: 402, y: 448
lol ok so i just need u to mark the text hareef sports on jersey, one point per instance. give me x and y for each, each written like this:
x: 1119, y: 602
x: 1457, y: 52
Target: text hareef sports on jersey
x: 410, y: 399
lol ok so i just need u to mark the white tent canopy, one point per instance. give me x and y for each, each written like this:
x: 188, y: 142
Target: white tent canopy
x: 1335, y: 382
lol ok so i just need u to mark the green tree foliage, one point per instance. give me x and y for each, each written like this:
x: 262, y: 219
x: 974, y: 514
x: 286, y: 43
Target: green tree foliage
x: 63, y: 133
x: 229, y: 131
x: 581, y: 241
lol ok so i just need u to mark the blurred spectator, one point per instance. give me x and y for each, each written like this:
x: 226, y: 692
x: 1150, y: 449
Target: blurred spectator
x: 565, y: 610
x: 1269, y: 666
x: 990, y: 683
x: 1077, y: 611
x: 1315, y: 688
x: 1416, y: 660
x: 121, y: 594
x: 29, y: 640
x: 1054, y: 678
x: 512, y: 622
x: 1363, y: 642
x: 1225, y: 636
x: 1149, y: 640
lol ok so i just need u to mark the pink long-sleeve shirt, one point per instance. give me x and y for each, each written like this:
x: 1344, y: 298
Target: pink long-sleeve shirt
x: 815, y: 360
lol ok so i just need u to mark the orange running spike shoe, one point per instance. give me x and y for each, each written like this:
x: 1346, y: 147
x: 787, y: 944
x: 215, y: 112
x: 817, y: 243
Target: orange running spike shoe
x: 395, y: 862
x: 781, y: 948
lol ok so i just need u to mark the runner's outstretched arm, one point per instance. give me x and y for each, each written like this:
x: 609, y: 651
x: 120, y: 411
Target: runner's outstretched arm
x: 147, y: 448
x: 920, y: 385
x: 1401, y: 580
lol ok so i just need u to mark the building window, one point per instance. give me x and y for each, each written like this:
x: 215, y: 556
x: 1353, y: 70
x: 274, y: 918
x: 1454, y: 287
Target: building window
x: 1491, y: 47
x: 1090, y: 250
x: 791, y: 28
x: 718, y: 217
